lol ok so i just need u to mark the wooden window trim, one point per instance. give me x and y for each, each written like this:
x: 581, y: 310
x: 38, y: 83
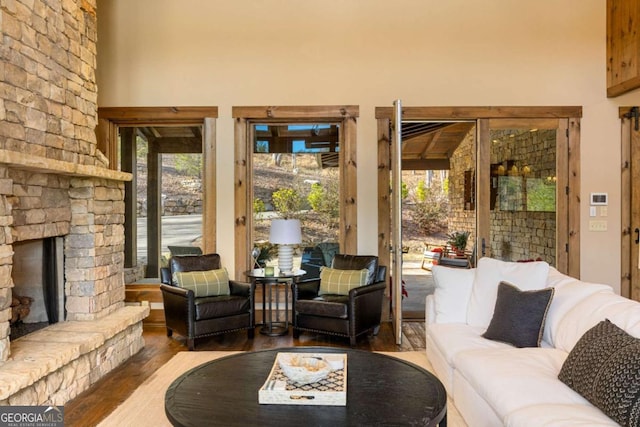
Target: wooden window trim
x: 111, y: 118
x: 346, y: 116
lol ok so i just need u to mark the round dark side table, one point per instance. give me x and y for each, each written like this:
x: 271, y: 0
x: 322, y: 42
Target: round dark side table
x: 381, y: 390
x: 274, y: 326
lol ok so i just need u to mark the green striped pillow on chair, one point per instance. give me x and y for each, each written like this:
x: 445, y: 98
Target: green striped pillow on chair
x: 340, y: 282
x: 204, y: 283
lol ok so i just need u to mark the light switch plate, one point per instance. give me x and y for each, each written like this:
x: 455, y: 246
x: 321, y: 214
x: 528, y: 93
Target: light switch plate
x: 597, y: 225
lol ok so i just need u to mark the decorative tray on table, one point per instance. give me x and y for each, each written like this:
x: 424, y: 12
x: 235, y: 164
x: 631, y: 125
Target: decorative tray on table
x: 306, y: 379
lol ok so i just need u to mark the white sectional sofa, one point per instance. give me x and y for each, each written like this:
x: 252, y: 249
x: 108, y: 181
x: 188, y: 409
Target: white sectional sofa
x: 493, y: 383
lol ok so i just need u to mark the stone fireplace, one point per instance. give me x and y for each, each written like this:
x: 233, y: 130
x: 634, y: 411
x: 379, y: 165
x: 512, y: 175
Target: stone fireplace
x: 56, y: 186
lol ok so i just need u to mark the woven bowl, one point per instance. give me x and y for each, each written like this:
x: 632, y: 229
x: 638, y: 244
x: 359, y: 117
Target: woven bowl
x: 302, y: 369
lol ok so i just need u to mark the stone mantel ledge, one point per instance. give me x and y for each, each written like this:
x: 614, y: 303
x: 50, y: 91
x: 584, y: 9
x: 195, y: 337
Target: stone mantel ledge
x: 17, y: 160
x: 40, y: 353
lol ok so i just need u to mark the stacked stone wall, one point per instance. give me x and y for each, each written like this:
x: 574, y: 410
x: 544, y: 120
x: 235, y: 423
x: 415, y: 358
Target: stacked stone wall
x: 54, y: 182
x: 462, y: 217
x: 40, y: 205
x: 6, y: 260
x: 94, y: 249
x: 47, y: 82
x: 515, y: 234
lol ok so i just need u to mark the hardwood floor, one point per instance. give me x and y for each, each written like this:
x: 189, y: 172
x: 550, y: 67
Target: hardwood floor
x: 93, y: 405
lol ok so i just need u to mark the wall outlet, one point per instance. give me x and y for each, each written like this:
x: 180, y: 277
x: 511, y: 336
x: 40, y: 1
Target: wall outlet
x: 597, y: 225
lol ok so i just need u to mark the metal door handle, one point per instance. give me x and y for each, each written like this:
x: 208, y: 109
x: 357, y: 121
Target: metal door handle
x: 484, y: 247
x: 637, y: 230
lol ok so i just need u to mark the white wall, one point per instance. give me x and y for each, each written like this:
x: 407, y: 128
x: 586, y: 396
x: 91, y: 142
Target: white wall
x: 368, y: 53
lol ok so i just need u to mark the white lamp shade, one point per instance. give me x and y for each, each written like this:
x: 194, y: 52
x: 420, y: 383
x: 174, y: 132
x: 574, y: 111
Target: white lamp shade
x: 285, y: 232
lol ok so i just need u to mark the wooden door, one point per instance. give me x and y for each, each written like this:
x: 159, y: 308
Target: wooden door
x: 630, y: 264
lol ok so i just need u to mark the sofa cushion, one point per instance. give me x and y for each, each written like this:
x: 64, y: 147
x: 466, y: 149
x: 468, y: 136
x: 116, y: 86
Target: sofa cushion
x: 327, y: 305
x: 560, y: 415
x: 204, y: 283
x: 568, y: 292
x: 340, y: 282
x: 489, y: 273
x: 220, y: 306
x: 604, y: 367
x: 455, y: 338
x: 519, y: 316
x: 452, y: 292
x: 513, y: 378
x: 593, y: 309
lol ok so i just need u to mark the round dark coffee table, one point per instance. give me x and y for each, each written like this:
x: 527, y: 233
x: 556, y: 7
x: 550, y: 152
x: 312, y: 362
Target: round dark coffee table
x: 381, y: 390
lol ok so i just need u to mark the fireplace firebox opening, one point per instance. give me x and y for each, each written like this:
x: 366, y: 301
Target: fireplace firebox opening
x: 38, y: 292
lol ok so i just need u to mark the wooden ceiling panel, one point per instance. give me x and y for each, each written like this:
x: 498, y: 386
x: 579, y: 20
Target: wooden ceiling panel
x: 430, y: 145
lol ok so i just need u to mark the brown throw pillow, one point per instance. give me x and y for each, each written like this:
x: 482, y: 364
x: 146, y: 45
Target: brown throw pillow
x: 518, y: 317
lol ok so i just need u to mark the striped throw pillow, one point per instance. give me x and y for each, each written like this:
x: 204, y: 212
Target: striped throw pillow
x: 204, y: 283
x: 340, y: 282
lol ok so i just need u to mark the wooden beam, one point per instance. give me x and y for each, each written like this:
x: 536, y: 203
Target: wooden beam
x: 574, y: 198
x: 153, y: 115
x: 425, y: 164
x: 562, y: 197
x: 292, y: 114
x: 472, y: 113
x: 431, y: 143
x: 209, y: 214
x: 349, y: 194
x: 243, y: 214
x: 384, y: 202
x: 178, y: 145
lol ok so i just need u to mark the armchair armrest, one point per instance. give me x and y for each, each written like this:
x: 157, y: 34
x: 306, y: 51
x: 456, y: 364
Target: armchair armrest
x: 165, y: 275
x: 363, y: 290
x: 306, y: 289
x: 243, y: 289
x: 177, y: 291
x: 365, y: 306
x: 179, y: 308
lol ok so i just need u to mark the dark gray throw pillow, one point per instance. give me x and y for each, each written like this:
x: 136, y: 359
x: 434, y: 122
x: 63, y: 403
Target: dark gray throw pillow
x: 518, y: 317
x: 604, y: 367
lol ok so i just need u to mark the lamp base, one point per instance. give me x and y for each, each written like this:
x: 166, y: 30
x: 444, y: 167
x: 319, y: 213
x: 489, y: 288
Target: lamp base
x: 285, y: 259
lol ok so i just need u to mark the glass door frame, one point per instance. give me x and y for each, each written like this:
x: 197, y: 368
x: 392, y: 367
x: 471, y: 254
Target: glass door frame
x: 568, y: 165
x: 562, y: 179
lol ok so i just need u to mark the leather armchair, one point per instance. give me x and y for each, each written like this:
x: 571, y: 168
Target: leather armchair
x: 205, y: 316
x: 341, y: 315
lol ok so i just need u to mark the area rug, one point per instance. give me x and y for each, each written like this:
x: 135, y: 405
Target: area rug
x: 145, y: 407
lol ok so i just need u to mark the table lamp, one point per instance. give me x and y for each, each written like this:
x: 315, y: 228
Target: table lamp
x: 285, y: 233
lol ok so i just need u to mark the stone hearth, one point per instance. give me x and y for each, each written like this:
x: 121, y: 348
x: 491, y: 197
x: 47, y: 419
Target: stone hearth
x: 55, y: 182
